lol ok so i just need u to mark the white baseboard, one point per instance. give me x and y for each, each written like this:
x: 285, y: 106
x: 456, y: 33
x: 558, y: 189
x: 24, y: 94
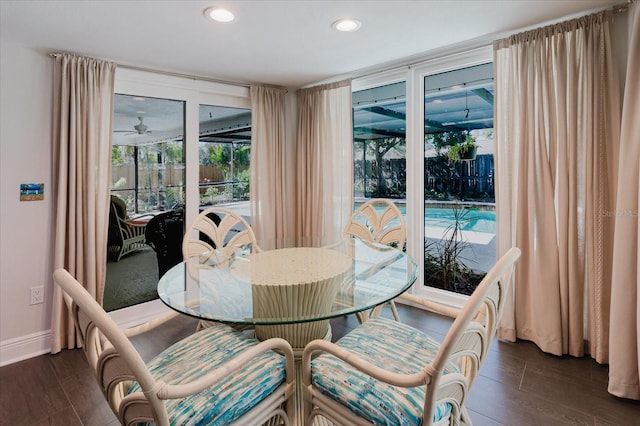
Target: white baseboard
x: 25, y: 347
x: 32, y: 345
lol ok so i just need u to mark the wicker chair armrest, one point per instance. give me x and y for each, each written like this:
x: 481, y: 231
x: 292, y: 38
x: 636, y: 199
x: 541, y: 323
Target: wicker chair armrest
x: 144, y: 216
x: 133, y: 223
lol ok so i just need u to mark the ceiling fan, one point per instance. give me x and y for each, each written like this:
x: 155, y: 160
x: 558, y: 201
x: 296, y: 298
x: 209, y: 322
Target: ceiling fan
x: 140, y: 128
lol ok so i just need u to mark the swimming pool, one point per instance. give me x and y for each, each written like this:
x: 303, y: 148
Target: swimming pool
x: 472, y: 219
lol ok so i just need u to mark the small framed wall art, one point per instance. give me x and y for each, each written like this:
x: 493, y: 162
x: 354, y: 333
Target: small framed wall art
x: 31, y: 191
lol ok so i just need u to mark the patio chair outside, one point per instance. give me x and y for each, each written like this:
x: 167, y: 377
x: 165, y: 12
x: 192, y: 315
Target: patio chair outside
x: 164, y: 234
x: 125, y: 235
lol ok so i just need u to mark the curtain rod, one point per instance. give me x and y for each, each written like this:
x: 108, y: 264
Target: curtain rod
x: 410, y: 62
x: 621, y: 8
x: 169, y: 73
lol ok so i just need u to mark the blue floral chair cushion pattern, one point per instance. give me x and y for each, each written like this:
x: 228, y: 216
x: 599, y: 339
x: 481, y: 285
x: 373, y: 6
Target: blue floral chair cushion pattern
x: 390, y: 345
x: 225, y: 402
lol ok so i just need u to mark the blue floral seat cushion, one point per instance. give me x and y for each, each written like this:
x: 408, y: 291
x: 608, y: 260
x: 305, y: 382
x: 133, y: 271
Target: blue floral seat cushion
x: 195, y: 356
x: 387, y: 344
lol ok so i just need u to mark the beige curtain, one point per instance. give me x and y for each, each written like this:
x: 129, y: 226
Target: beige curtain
x: 324, y: 166
x: 271, y: 210
x: 624, y: 340
x: 557, y: 114
x: 83, y: 106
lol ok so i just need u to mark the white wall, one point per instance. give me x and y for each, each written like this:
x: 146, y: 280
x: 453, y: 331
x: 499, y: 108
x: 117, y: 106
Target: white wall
x: 25, y: 227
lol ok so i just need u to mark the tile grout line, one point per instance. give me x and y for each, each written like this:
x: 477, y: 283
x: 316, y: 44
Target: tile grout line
x: 64, y: 391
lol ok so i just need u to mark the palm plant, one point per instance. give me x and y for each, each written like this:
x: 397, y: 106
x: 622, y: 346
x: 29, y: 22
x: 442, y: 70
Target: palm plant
x: 444, y: 262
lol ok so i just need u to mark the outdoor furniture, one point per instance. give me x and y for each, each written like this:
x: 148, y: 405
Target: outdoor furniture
x: 378, y: 220
x: 385, y: 372
x: 125, y: 235
x: 215, y: 376
x: 164, y: 234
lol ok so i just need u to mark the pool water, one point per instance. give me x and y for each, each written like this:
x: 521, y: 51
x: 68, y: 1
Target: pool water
x: 471, y: 220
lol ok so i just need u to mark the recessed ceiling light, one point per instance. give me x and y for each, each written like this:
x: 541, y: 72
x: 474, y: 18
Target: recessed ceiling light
x: 219, y: 14
x: 348, y: 24
x: 138, y: 98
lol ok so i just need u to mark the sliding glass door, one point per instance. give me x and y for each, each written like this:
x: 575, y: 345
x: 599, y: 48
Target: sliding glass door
x: 146, y: 216
x: 423, y: 136
x: 156, y: 173
x: 459, y: 200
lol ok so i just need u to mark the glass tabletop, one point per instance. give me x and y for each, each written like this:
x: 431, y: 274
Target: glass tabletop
x: 289, y: 285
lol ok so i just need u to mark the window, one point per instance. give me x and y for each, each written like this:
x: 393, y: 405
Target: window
x: 158, y: 155
x: 224, y: 156
x: 147, y: 155
x: 379, y: 138
x: 148, y: 179
x: 459, y: 200
x: 423, y: 136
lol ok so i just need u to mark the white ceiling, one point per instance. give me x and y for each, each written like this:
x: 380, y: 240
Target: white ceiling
x: 286, y: 43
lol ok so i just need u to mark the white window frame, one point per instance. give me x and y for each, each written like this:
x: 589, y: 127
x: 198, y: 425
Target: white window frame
x: 414, y: 76
x: 193, y: 92
x: 415, y: 158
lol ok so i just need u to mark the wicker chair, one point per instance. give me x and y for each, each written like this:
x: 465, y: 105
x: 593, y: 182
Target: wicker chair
x: 385, y: 372
x: 215, y: 236
x: 216, y: 376
x: 125, y: 235
x: 217, y: 233
x: 378, y: 220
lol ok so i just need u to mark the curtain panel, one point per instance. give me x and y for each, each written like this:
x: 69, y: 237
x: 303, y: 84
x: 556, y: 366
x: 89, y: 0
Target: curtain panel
x: 624, y: 340
x: 83, y: 106
x: 325, y: 163
x: 271, y: 205
x: 557, y: 109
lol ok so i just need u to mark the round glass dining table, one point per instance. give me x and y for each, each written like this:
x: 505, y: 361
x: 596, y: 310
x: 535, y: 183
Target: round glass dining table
x: 289, y: 292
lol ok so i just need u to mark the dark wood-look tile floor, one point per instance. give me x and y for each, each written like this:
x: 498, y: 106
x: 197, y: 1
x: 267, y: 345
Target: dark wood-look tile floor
x: 518, y: 385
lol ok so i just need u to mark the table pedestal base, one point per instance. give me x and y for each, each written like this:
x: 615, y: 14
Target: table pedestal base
x: 298, y: 335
